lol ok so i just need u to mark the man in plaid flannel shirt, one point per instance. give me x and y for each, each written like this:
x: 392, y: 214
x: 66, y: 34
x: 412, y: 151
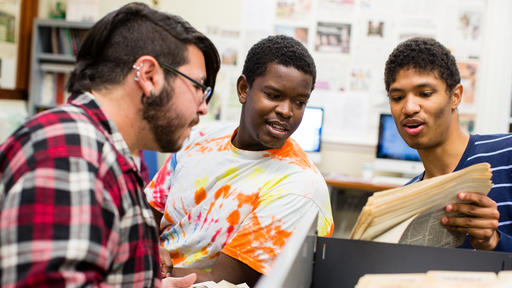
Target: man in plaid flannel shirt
x: 72, y: 212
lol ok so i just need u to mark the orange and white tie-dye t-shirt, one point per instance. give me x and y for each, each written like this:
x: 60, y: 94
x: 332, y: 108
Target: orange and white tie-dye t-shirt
x: 217, y: 198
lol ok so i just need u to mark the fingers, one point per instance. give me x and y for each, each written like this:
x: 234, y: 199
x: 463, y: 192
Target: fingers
x: 468, y: 222
x: 482, y: 223
x: 479, y: 206
x: 165, y: 257
x: 166, y: 270
x: 478, y: 217
x: 474, y: 211
x: 166, y: 262
x: 477, y: 198
x: 484, y: 239
x: 179, y: 282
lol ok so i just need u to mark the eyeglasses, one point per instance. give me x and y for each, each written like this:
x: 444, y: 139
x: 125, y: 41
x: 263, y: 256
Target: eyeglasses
x: 207, y: 91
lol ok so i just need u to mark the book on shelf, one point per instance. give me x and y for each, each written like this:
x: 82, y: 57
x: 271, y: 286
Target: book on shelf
x: 61, y: 40
x: 412, y: 214
x: 53, y: 89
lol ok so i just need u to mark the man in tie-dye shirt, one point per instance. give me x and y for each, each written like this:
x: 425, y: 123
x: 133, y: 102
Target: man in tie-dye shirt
x: 231, y: 198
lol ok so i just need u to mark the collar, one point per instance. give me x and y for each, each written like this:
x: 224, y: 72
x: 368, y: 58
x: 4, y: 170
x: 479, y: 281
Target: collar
x: 93, y: 109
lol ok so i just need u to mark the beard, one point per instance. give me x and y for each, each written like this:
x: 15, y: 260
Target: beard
x: 167, y: 125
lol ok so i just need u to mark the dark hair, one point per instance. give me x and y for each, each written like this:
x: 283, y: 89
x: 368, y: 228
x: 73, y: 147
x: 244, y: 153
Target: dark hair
x: 116, y: 41
x: 423, y: 55
x: 278, y: 49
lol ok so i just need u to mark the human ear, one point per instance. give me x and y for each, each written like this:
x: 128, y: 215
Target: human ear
x: 456, y: 96
x: 148, y: 75
x: 242, y: 87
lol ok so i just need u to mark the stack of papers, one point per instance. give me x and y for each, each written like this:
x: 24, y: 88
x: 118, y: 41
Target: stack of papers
x: 412, y: 214
x: 437, y: 279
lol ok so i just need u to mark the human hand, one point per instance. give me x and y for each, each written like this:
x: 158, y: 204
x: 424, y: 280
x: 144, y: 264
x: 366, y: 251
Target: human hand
x: 166, y: 262
x: 480, y: 223
x: 179, y: 282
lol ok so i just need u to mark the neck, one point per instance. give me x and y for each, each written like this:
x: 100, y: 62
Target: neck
x: 122, y: 106
x: 444, y: 158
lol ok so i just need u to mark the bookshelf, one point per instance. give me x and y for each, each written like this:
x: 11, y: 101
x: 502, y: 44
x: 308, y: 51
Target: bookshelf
x: 54, y: 46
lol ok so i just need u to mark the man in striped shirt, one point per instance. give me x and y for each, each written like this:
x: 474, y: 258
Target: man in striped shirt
x: 423, y: 85
x: 72, y: 209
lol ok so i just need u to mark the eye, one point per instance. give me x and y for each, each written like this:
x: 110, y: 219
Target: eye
x: 271, y: 95
x: 395, y: 97
x: 197, y: 87
x: 301, y: 103
x: 427, y: 93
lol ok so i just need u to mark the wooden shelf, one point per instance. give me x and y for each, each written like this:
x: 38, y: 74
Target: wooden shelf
x: 52, y: 57
x: 54, y: 45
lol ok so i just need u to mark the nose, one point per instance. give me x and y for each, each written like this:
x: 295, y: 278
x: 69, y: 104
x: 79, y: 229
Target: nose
x: 285, y: 109
x: 411, y: 105
x: 203, y: 108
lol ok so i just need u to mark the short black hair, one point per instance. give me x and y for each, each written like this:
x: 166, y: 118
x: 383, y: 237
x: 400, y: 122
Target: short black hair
x: 117, y: 40
x: 279, y: 49
x: 423, y: 55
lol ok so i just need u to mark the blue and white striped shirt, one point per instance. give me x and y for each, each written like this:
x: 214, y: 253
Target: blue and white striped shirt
x: 496, y: 150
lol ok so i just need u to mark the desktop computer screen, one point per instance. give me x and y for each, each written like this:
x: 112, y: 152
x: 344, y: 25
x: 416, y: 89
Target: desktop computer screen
x: 393, y: 154
x: 309, y: 133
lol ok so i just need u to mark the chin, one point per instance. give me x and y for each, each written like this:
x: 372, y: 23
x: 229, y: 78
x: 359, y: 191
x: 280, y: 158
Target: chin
x: 414, y: 145
x: 274, y: 144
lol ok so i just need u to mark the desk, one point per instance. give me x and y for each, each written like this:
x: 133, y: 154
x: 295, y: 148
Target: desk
x: 343, y: 182
x: 346, y: 204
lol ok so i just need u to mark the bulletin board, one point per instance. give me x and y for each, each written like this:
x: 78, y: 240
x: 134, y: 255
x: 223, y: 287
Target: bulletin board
x: 350, y: 41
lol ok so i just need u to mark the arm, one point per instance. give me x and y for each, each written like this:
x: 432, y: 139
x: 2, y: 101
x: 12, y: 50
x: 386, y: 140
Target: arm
x: 165, y: 258
x: 225, y: 268
x: 59, y: 233
x: 480, y: 219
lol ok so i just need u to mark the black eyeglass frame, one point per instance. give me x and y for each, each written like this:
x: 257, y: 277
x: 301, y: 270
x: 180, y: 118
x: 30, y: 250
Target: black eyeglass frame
x: 207, y: 90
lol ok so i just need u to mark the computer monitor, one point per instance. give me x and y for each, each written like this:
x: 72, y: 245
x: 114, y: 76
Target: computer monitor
x: 309, y: 133
x: 393, y: 154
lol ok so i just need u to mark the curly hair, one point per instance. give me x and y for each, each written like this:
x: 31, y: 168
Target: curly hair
x: 423, y: 55
x: 280, y: 49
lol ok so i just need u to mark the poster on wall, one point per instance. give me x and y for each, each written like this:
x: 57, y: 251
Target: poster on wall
x: 336, y: 9
x: 293, y: 9
x: 467, y: 35
x: 82, y: 10
x: 332, y: 72
x: 350, y: 41
x: 224, y: 104
x: 467, y: 71
x: 345, y: 116
x: 7, y: 27
x: 227, y: 42
x: 297, y: 32
x: 468, y: 27
x: 333, y: 37
x: 9, y: 14
x: 375, y: 28
x: 360, y: 78
x: 417, y: 27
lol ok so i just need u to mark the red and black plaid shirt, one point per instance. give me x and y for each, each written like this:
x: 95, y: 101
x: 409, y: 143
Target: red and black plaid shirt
x: 72, y: 208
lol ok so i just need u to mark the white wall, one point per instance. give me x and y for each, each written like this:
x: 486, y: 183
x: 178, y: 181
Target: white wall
x: 495, y: 74
x: 341, y: 154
